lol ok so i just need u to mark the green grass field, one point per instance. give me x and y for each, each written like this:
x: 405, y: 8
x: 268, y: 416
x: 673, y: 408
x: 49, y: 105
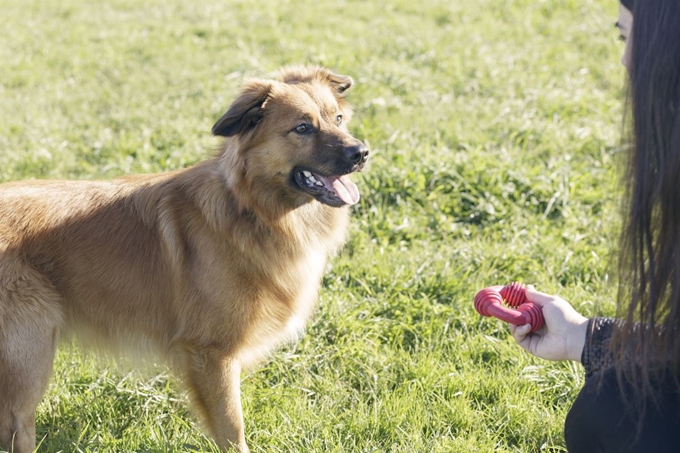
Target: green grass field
x: 495, y: 133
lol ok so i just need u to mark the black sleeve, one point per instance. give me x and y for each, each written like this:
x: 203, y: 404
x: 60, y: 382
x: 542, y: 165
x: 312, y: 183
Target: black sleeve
x: 596, y: 354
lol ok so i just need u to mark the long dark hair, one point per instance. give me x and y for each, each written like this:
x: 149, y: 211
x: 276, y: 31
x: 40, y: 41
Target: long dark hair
x: 628, y: 4
x: 649, y: 267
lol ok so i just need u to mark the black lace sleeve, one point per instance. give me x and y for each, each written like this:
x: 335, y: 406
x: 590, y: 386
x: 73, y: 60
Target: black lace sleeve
x: 596, y: 354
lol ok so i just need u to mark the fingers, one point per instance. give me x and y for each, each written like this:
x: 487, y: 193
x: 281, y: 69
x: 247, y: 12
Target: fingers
x: 519, y: 333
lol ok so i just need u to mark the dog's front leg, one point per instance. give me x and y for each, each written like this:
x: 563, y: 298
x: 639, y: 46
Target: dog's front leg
x: 214, y: 381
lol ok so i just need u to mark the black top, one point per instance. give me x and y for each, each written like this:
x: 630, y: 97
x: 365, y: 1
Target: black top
x: 596, y: 354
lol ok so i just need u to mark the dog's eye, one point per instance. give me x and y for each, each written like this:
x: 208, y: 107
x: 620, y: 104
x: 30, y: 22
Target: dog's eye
x: 303, y: 128
x: 338, y: 119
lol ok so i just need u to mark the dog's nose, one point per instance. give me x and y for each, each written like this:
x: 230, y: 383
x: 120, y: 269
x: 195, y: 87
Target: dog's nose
x: 357, y: 154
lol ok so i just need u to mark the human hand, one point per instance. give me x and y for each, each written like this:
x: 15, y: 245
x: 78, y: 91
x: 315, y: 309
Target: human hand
x: 563, y: 335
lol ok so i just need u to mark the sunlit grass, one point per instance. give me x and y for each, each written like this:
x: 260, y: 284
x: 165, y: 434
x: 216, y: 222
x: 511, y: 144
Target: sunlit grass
x: 494, y: 127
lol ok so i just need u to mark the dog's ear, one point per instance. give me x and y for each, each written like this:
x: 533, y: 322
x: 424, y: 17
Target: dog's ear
x: 306, y: 74
x: 245, y: 112
x: 340, y: 83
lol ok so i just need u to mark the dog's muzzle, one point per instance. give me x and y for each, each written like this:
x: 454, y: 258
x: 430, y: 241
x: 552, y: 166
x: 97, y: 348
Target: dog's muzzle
x: 358, y: 155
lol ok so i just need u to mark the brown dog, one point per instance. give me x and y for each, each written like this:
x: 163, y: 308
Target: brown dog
x: 210, y: 266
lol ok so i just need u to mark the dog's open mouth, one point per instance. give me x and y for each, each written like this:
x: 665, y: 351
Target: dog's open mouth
x: 331, y: 190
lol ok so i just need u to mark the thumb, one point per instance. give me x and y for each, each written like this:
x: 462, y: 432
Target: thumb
x: 537, y: 297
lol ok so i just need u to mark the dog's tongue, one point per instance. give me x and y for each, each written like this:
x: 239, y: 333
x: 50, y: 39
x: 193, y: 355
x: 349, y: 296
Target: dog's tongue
x: 345, y: 189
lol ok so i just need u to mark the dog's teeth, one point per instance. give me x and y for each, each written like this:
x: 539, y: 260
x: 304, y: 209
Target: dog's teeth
x: 306, y: 173
x: 318, y: 183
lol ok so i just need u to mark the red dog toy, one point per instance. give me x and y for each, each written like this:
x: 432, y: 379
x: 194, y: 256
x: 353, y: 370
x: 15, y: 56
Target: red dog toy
x: 489, y: 302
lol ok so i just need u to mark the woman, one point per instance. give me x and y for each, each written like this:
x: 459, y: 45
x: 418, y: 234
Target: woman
x: 631, y: 398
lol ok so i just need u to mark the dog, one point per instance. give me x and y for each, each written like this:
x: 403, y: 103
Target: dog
x: 209, y: 267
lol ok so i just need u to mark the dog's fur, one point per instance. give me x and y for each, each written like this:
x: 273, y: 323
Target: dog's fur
x: 210, y: 266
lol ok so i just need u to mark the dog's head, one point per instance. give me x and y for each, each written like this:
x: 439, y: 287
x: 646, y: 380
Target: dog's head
x: 292, y: 136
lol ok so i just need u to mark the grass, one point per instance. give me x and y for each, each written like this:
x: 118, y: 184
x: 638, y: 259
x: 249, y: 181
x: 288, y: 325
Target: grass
x: 494, y: 127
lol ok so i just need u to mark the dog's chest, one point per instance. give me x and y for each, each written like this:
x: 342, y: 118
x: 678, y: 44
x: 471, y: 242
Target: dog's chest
x: 286, y: 302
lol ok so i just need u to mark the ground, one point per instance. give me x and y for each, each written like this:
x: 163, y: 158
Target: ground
x: 495, y: 129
